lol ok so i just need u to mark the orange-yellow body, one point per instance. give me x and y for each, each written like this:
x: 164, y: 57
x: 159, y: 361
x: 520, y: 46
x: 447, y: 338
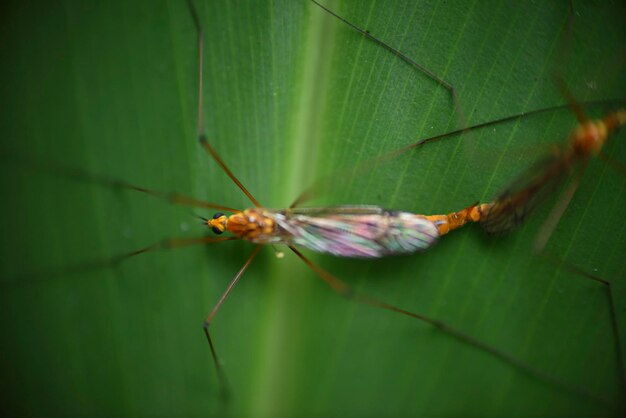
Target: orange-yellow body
x: 514, y: 204
x: 254, y: 224
x: 258, y: 224
x: 455, y: 220
x: 589, y: 137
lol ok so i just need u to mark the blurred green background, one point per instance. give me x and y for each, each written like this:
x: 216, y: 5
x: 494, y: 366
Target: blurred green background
x: 293, y: 94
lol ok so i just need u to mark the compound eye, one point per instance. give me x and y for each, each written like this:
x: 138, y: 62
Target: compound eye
x: 218, y: 215
x: 217, y: 231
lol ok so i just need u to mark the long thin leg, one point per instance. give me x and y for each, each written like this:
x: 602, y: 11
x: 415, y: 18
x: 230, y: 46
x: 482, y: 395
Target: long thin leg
x: 558, y: 210
x: 553, y: 219
x: 574, y: 105
x: 563, y: 53
x: 94, y: 265
x: 541, y: 240
x: 368, y: 165
x: 202, y: 136
x: 559, y: 263
x: 78, y: 174
x: 343, y: 289
x: 404, y: 58
x: 207, y: 322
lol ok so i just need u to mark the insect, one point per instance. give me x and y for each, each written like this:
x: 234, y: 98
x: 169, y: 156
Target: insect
x: 514, y: 204
x: 161, y: 298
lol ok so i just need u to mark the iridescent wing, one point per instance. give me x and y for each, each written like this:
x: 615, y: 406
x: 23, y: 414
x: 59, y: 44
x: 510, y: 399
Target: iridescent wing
x: 530, y: 189
x: 357, y: 231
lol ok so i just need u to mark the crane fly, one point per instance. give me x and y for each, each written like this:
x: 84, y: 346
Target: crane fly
x: 516, y: 202
x: 347, y: 231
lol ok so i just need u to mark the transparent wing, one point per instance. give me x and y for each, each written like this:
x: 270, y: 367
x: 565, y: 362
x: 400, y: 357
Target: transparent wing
x: 529, y: 190
x: 360, y: 232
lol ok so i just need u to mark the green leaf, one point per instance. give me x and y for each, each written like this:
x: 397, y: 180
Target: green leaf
x: 292, y: 94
